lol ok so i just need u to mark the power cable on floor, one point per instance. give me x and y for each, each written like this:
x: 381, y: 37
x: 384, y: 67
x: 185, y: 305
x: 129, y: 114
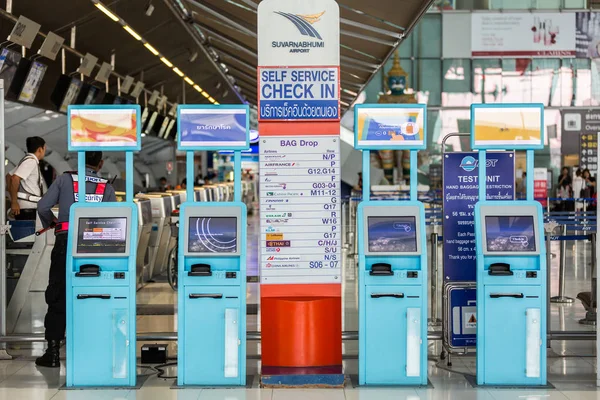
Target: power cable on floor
x: 160, y: 369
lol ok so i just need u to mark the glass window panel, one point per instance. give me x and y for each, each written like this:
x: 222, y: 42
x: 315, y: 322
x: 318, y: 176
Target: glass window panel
x: 511, y: 4
x: 578, y: 4
x: 434, y: 130
x: 516, y: 81
x: 595, y: 100
x: 457, y: 83
x: 582, y: 81
x: 430, y: 81
x: 547, y: 4
x: 427, y: 41
x: 405, y: 49
x: 452, y: 120
x: 487, y: 81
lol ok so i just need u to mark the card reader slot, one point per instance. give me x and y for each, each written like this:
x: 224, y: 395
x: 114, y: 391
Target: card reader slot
x: 381, y: 269
x: 511, y: 295
x: 500, y: 269
x: 206, y: 295
x: 200, y: 270
x: 93, y: 296
x: 88, y: 271
x: 392, y: 295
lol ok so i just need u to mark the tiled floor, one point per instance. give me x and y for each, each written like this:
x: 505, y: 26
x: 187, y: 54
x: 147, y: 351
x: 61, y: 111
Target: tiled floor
x: 571, y: 365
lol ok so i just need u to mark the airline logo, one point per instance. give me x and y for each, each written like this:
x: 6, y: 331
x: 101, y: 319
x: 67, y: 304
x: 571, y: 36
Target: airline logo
x: 304, y: 23
x: 280, y: 164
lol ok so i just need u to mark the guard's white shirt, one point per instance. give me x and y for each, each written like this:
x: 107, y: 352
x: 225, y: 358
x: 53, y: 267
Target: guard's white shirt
x: 30, y: 174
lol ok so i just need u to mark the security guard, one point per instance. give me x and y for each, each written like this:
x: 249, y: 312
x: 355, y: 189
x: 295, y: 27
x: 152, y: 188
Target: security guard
x: 64, y: 192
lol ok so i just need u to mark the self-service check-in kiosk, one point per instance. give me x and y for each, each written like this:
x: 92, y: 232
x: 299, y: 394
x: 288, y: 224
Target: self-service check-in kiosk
x: 212, y: 258
x: 511, y: 256
x: 101, y: 258
x: 392, y: 258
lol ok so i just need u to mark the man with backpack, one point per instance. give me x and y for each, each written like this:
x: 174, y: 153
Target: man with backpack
x: 25, y: 182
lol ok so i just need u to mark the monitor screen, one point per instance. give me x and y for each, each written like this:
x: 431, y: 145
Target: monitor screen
x: 102, y: 235
x: 9, y: 61
x: 510, y: 234
x: 91, y: 95
x: 212, y: 235
x: 71, y: 95
x: 32, y: 82
x: 392, y: 234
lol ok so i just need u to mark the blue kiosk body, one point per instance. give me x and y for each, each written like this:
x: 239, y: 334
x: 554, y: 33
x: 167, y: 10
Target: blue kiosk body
x: 392, y: 258
x: 511, y: 260
x: 101, y: 264
x: 212, y: 257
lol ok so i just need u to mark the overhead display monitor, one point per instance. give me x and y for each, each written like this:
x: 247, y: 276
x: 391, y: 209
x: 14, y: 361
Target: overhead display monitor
x: 171, y: 129
x: 507, y: 126
x: 107, y: 127
x: 92, y: 93
x: 163, y: 128
x: 510, y: 234
x: 150, y: 122
x: 103, y: 235
x: 213, y: 127
x: 33, y: 81
x: 9, y: 62
x: 73, y: 90
x: 392, y: 234
x: 390, y: 126
x: 212, y: 235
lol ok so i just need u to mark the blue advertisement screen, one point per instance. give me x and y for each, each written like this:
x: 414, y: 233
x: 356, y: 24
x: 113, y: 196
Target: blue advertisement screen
x: 212, y: 235
x: 509, y: 233
x: 213, y: 128
x: 392, y: 234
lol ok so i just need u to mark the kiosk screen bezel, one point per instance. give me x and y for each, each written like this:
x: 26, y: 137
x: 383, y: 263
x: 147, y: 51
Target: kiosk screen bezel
x: 387, y: 212
x: 511, y: 211
x: 102, y: 212
x: 212, y: 212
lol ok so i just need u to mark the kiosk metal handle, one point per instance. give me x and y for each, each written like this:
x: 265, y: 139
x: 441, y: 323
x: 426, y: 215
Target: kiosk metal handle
x: 93, y: 296
x: 206, y: 296
x: 511, y: 295
x: 381, y: 269
x: 88, y: 271
x: 392, y: 295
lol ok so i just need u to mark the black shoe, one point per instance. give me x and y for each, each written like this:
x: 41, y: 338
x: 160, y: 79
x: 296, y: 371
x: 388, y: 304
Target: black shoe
x: 51, y: 358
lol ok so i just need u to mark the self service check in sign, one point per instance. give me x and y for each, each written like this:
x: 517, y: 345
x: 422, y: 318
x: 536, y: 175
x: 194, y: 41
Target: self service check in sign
x: 299, y: 93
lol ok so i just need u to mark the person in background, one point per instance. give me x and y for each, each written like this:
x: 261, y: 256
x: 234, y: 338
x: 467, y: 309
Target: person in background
x: 565, y: 183
x: 589, y: 189
x: 163, y: 185
x: 578, y: 184
x: 63, y: 192
x: 25, y: 182
x: 183, y: 185
x: 359, y: 184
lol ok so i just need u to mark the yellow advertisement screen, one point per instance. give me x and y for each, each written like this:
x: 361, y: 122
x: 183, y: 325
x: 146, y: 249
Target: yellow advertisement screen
x: 390, y: 127
x: 507, y: 126
x: 103, y: 128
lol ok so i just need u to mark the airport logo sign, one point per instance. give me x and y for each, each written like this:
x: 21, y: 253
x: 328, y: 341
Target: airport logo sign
x: 468, y: 164
x: 304, y: 23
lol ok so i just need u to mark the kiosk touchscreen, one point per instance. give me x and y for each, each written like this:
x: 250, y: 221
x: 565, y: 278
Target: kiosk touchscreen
x: 102, y: 274
x: 511, y: 278
x: 394, y: 300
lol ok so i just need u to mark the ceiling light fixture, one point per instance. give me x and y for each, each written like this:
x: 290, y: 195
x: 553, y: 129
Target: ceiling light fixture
x: 205, y: 95
x: 152, y: 49
x: 108, y: 13
x: 178, y: 72
x: 211, y: 99
x: 188, y: 80
x: 132, y: 32
x: 198, y: 88
x: 167, y: 62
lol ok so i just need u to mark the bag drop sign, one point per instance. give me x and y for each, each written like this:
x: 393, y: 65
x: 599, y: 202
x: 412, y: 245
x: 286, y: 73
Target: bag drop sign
x: 300, y: 93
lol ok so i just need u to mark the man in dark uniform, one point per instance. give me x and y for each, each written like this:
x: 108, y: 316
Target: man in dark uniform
x: 64, y: 192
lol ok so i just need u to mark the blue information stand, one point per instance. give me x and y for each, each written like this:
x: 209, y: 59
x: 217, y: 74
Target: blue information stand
x: 101, y: 257
x: 511, y: 256
x: 212, y: 256
x: 392, y: 256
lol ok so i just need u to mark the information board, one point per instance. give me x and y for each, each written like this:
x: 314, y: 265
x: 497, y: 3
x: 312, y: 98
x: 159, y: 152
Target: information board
x: 461, y: 190
x: 299, y: 93
x: 390, y: 126
x: 588, y: 152
x: 213, y: 127
x: 104, y: 127
x: 300, y: 210
x: 507, y: 126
